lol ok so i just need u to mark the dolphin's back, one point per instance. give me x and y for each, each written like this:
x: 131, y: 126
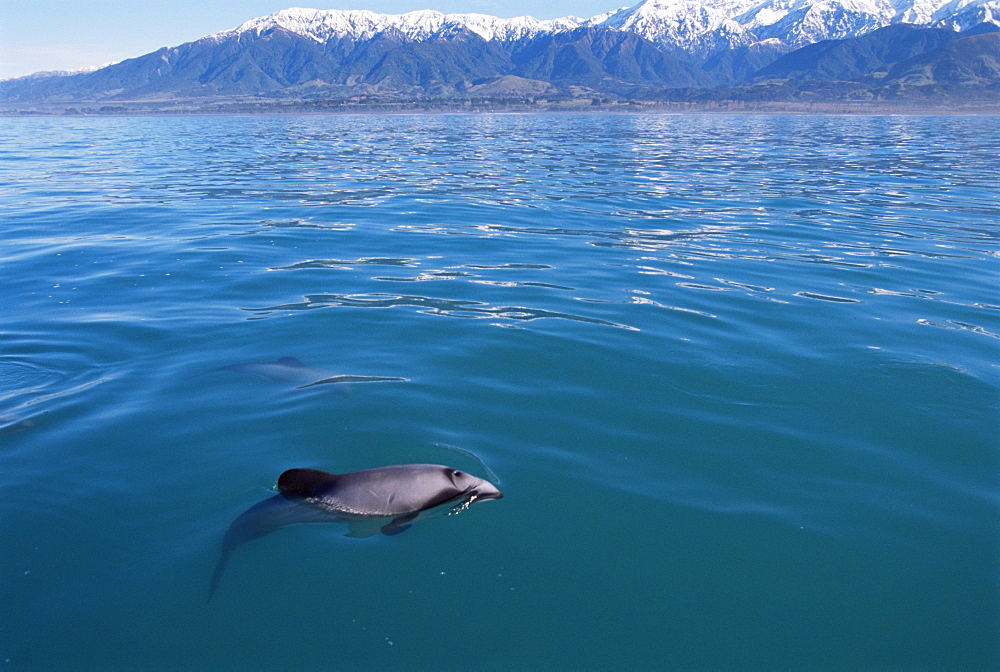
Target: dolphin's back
x: 384, y: 491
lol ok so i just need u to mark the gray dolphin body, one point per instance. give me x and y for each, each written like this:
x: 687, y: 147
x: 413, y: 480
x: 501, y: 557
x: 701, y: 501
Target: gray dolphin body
x: 291, y: 371
x: 384, y: 499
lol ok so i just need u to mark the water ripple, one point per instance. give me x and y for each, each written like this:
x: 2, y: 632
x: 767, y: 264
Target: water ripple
x: 32, y: 386
x: 802, y: 365
x: 428, y: 306
x: 342, y: 264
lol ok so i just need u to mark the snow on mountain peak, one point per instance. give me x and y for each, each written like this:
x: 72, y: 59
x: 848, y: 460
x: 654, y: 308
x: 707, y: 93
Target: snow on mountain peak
x: 323, y: 25
x: 695, y: 26
x: 706, y: 26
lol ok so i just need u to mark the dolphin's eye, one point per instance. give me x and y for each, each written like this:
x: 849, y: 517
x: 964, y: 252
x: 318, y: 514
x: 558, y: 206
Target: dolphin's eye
x: 456, y: 473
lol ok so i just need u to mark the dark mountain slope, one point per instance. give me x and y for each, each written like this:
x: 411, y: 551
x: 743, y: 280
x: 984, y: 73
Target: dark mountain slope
x: 391, y: 63
x: 279, y: 63
x: 592, y: 56
x: 973, y: 60
x: 197, y: 69
x: 738, y: 65
x: 855, y: 58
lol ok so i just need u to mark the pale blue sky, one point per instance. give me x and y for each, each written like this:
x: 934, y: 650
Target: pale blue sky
x: 38, y: 35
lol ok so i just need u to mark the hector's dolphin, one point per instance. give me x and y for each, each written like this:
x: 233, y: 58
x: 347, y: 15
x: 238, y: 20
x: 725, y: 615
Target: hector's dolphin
x: 291, y: 371
x: 384, y: 499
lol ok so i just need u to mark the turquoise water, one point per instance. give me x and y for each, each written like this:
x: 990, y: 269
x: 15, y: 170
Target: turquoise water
x: 738, y: 376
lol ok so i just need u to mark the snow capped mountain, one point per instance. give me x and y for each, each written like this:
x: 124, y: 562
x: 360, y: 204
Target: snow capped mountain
x: 324, y: 25
x: 640, y: 52
x: 689, y: 25
x: 964, y: 14
x: 59, y: 73
x: 698, y: 27
x: 706, y: 26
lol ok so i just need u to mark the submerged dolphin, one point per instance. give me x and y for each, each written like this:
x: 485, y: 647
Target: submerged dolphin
x: 384, y: 499
x: 11, y: 425
x: 291, y: 371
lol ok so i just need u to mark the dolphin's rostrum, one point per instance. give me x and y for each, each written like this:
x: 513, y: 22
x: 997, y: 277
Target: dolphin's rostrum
x: 384, y: 499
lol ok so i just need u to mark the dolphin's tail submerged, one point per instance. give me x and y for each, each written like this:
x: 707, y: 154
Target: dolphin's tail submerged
x: 220, y: 569
x: 245, y: 528
x: 261, y: 519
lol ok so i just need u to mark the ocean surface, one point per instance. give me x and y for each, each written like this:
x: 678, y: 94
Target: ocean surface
x: 738, y: 378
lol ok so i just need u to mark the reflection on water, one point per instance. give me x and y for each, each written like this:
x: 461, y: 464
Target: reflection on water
x: 428, y: 306
x: 346, y: 265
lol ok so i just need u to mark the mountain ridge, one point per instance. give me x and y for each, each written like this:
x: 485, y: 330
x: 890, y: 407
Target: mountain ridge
x: 699, y: 27
x: 630, y: 53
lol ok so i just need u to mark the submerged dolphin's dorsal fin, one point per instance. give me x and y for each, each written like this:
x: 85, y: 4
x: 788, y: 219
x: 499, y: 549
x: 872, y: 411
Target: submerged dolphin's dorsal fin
x: 291, y: 361
x: 300, y: 482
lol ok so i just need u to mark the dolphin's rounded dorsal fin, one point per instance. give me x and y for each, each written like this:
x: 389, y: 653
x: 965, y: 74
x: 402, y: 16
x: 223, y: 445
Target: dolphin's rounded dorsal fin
x: 291, y: 361
x: 300, y: 482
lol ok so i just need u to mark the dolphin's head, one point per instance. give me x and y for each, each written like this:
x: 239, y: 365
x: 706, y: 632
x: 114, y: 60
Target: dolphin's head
x: 486, y: 490
x: 471, y: 488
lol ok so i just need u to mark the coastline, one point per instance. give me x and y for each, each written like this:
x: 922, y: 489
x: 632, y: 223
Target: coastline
x: 492, y: 106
